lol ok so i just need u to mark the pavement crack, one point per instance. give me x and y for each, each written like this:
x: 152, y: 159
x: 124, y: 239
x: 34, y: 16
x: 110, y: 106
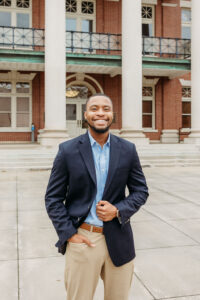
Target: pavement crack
x: 142, y: 283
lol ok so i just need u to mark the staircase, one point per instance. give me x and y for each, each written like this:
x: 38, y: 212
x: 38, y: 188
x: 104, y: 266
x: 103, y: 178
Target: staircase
x: 36, y: 157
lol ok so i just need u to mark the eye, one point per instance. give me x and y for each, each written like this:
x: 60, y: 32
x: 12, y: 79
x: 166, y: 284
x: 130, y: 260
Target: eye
x: 93, y: 108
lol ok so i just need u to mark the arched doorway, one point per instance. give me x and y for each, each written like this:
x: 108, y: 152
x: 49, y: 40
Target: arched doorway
x: 79, y: 88
x: 76, y: 97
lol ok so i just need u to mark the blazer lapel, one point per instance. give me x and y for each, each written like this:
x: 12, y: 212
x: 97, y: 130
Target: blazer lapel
x: 86, y: 153
x: 114, y: 160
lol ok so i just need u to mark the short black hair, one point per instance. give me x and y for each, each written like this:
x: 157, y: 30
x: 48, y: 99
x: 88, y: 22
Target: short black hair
x: 96, y: 95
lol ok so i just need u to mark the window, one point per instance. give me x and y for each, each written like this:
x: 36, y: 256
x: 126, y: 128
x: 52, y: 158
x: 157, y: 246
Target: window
x: 148, y: 107
x: 81, y: 20
x: 80, y: 15
x: 16, y: 13
x: 15, y: 106
x: 87, y: 7
x: 148, y: 21
x: 186, y: 107
x: 71, y: 6
x: 186, y: 23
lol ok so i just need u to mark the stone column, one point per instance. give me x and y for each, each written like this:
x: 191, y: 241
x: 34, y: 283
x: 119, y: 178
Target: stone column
x: 55, y: 74
x: 132, y: 72
x: 194, y: 137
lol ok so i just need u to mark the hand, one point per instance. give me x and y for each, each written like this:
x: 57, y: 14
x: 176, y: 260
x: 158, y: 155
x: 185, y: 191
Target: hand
x: 106, y: 211
x: 78, y: 238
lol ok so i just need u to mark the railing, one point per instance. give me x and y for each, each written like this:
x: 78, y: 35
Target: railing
x: 16, y: 37
x: 106, y: 43
x: 77, y: 41
x: 167, y: 47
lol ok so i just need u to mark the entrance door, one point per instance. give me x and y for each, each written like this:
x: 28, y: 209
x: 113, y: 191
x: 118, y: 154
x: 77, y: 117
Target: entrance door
x: 75, y: 108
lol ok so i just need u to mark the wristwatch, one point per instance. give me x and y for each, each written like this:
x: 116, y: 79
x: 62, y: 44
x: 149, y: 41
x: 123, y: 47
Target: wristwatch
x: 119, y: 217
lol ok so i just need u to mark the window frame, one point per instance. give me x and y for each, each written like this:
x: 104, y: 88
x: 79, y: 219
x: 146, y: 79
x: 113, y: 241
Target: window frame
x: 13, y: 95
x: 185, y: 99
x: 149, y: 98
x: 185, y: 24
x: 13, y: 9
x: 149, y: 21
x: 79, y: 16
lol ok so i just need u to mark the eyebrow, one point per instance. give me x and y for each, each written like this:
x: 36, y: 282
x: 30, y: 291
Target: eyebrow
x: 107, y: 105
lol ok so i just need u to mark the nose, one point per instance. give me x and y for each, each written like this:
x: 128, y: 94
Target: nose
x: 100, y: 112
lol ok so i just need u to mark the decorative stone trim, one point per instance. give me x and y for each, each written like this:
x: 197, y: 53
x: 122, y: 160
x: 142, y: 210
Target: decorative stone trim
x: 169, y: 4
x: 186, y: 4
x: 14, y: 75
x: 81, y: 80
x: 154, y: 2
x: 153, y: 81
x: 185, y: 82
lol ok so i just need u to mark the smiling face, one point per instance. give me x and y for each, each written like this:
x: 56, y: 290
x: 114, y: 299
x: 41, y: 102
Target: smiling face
x: 99, y: 114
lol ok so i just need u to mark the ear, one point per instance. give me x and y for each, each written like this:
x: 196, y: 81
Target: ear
x: 85, y: 115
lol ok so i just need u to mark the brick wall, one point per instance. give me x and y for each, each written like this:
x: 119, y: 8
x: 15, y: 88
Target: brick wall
x: 38, y: 102
x: 15, y: 136
x: 108, y: 16
x: 38, y: 13
x: 172, y: 96
x: 168, y: 19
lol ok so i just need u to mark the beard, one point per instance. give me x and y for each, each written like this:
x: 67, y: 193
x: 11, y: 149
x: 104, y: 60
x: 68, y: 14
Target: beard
x: 99, y: 130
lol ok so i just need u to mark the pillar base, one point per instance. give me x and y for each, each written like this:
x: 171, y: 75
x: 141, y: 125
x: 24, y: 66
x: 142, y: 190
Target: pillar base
x: 169, y: 136
x: 52, y: 138
x: 135, y: 136
x: 193, y: 138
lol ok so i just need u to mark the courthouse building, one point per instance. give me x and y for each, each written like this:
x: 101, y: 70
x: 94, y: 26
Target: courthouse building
x: 55, y: 54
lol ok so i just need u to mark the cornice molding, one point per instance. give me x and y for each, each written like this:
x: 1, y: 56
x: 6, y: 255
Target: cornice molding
x: 149, y: 81
x: 185, y: 82
x: 14, y: 75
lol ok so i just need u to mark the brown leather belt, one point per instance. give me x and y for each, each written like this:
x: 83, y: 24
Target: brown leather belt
x: 91, y: 228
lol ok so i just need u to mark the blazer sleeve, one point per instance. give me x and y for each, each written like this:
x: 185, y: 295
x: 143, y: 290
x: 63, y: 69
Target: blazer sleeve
x: 55, y: 197
x: 138, y: 190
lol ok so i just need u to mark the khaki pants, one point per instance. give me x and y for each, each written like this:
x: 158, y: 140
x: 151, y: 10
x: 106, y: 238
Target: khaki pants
x: 85, y: 264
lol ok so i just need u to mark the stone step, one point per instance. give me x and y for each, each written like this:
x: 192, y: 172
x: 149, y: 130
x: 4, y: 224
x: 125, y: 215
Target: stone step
x: 28, y: 156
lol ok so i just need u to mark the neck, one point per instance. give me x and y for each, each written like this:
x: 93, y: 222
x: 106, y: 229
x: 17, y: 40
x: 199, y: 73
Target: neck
x: 100, y: 138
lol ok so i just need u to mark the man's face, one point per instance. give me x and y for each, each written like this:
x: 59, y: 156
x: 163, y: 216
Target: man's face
x: 99, y: 114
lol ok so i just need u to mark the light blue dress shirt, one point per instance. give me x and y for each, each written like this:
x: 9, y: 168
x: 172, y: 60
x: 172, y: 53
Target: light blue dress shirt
x: 101, y: 158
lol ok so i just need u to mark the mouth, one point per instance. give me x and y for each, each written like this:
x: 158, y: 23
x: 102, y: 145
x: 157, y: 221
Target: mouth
x: 100, y: 122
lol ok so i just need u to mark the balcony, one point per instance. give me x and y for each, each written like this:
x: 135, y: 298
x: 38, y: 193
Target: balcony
x: 31, y: 38
x: 96, y: 52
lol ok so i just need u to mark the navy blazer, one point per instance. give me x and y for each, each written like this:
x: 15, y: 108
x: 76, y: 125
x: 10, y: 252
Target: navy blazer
x: 72, y: 189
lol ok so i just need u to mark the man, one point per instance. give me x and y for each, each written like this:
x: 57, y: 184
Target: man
x: 86, y: 202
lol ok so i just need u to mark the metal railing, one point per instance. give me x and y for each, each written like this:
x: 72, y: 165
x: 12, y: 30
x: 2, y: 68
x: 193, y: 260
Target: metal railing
x: 16, y: 37
x: 77, y: 41
x: 167, y: 47
x: 92, y: 42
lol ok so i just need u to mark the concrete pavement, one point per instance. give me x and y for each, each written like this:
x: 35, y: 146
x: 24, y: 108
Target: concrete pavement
x: 166, y: 230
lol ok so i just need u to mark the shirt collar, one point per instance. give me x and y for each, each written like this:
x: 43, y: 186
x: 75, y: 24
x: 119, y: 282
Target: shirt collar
x: 94, y: 142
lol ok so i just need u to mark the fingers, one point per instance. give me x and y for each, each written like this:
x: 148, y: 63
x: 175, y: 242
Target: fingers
x: 88, y: 242
x: 102, y: 202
